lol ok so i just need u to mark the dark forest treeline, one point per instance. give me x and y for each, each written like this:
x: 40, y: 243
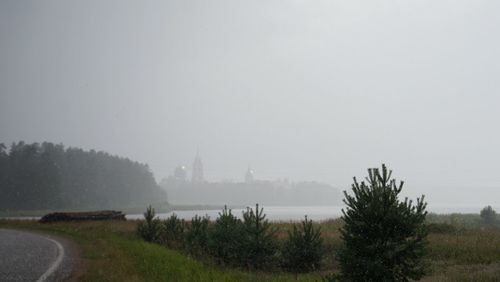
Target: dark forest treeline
x: 50, y: 176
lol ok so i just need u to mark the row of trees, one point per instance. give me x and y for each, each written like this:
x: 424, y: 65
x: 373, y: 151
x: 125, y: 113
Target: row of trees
x: 384, y: 239
x: 50, y: 176
x: 250, y: 242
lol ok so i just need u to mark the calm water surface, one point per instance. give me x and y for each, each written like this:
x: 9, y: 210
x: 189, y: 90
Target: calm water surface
x: 297, y: 213
x: 293, y: 213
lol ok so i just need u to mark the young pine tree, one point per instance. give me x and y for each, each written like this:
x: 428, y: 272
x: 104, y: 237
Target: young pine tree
x: 150, y: 229
x: 197, y: 235
x: 384, y: 238
x: 225, y: 238
x: 174, y: 231
x: 303, y: 250
x: 260, y: 243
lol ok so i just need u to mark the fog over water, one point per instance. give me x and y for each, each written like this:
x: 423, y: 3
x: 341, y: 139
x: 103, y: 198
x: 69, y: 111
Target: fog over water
x: 303, y: 90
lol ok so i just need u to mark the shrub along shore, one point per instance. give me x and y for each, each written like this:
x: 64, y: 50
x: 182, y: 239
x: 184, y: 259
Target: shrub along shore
x: 251, y: 243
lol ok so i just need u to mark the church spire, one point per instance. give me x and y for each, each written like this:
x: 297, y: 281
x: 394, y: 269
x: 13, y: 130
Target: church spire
x: 197, y: 176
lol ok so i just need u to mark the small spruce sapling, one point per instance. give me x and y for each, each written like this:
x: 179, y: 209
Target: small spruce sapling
x: 150, y: 229
x: 197, y: 235
x: 174, y: 231
x: 384, y: 238
x: 303, y: 249
x: 260, y: 243
x: 225, y: 238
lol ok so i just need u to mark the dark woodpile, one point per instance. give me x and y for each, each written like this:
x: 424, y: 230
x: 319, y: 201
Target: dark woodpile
x: 81, y: 216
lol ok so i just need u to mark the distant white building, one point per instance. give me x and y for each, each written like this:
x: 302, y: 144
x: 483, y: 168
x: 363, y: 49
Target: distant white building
x: 249, y: 177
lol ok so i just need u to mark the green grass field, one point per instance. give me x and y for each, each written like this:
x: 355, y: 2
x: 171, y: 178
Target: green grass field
x: 112, y: 251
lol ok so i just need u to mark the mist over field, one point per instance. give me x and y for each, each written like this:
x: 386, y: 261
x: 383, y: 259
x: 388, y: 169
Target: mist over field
x: 296, y: 91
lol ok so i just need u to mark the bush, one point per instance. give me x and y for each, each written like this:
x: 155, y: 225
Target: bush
x: 225, y: 238
x: 259, y: 244
x: 384, y: 238
x: 150, y: 229
x: 488, y: 215
x: 174, y: 231
x: 197, y: 235
x: 303, y: 250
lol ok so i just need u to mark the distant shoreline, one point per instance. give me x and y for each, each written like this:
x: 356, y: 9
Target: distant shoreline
x: 134, y: 210
x: 275, y: 212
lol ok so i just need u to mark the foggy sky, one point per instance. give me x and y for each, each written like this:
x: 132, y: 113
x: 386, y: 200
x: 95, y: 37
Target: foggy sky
x: 305, y: 90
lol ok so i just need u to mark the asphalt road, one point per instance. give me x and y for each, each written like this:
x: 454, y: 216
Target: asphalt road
x: 26, y: 256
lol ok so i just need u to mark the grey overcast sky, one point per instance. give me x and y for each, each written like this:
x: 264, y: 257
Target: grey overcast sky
x: 305, y: 90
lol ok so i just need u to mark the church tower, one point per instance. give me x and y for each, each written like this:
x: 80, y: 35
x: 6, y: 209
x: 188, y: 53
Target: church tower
x: 197, y: 176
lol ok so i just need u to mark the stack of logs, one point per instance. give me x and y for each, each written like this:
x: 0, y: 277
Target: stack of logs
x: 81, y: 216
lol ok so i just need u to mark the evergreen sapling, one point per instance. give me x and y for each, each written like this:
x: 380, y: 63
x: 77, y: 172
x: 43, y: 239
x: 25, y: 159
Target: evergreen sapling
x: 303, y: 250
x: 384, y: 238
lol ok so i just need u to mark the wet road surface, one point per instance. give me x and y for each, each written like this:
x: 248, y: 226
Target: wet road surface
x: 26, y: 256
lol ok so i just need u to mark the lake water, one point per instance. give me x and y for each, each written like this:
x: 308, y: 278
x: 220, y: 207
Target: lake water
x: 292, y: 213
x: 295, y: 213
x: 272, y: 213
